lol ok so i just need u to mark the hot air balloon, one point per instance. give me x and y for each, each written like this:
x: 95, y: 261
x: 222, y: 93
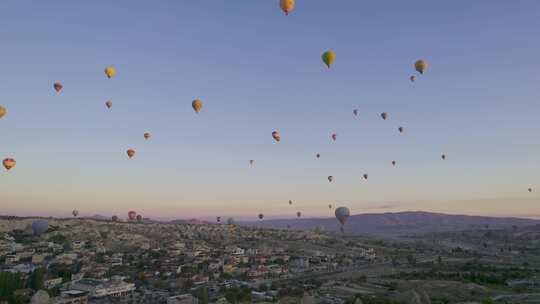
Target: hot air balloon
x: 251, y: 162
x: 197, y: 105
x: 218, y: 219
x: 298, y: 214
x: 110, y: 72
x: 290, y: 202
x: 130, y: 153
x: 330, y: 178
x: 58, y: 87
x: 412, y: 78
x: 365, y: 176
x: 132, y: 215
x: 39, y: 227
x: 355, y: 112
x: 2, y: 111
x: 108, y: 104
x: 9, y: 163
x: 287, y: 6
x: 230, y: 221
x: 342, y: 214
x: 146, y: 136
x: 393, y: 163
x: 261, y: 216
x: 328, y: 58
x: 75, y: 213
x: 276, y: 136
x: 443, y: 156
x: 114, y: 218
x: 384, y: 115
x: 317, y: 155
x: 421, y: 66
x: 334, y: 137
x: 329, y: 206
x: 139, y: 217
x: 401, y: 129
x: 530, y: 189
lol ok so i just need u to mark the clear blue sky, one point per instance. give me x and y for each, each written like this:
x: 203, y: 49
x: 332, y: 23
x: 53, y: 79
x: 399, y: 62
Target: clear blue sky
x: 257, y: 71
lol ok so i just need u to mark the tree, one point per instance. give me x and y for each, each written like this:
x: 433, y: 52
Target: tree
x: 201, y: 294
x: 35, y: 281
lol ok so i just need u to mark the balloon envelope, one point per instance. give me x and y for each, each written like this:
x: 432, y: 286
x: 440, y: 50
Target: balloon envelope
x: 261, y: 216
x: 58, y: 87
x: 146, y: 135
x: 384, y: 115
x: 286, y: 6
x: 108, y: 104
x: 328, y: 58
x: 2, y: 111
x: 130, y: 153
x: 110, y: 72
x: 197, y: 105
x: 132, y: 215
x: 421, y: 66
x: 276, y: 136
x: 9, y: 163
x: 75, y: 212
x: 330, y: 178
x: 342, y: 214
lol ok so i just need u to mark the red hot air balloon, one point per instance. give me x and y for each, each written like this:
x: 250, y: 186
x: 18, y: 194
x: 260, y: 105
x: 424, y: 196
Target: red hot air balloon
x: 132, y: 215
x: 384, y: 115
x: 9, y: 163
x: 58, y: 87
x: 276, y: 136
x: 147, y: 136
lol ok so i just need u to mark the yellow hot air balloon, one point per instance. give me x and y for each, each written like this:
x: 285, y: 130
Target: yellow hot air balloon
x: 2, y: 111
x: 197, y: 105
x: 328, y: 58
x: 421, y: 66
x: 287, y: 6
x: 110, y: 72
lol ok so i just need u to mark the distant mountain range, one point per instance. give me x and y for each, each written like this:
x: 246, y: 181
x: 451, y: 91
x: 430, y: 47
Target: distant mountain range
x: 399, y: 223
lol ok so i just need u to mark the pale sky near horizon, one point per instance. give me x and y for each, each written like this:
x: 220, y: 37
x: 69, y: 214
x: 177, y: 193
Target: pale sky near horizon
x: 258, y: 71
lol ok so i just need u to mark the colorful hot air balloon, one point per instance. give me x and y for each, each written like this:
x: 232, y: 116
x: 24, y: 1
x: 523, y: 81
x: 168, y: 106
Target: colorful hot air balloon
x: 330, y: 178
x: 328, y: 58
x: 251, y: 162
x: 443, y: 156
x: 108, y: 104
x: 290, y: 202
x: 298, y: 214
x: 114, y: 218
x: 110, y: 72
x: 132, y: 215
x: 355, y: 112
x: 9, y: 163
x: 287, y: 6
x: 384, y: 115
x: 317, y: 155
x: 75, y: 213
x: 261, y: 216
x: 146, y: 136
x: 139, y: 217
x: 130, y: 153
x: 365, y: 176
x: 421, y: 66
x: 2, y: 111
x: 39, y: 227
x: 276, y: 136
x: 334, y: 137
x: 530, y: 189
x: 401, y: 129
x: 393, y: 163
x: 58, y: 87
x: 412, y: 78
x: 342, y: 214
x: 197, y: 105
x: 218, y: 219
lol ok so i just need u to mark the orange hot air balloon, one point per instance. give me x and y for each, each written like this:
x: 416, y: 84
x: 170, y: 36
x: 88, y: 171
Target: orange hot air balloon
x: 108, y: 104
x: 384, y: 115
x: 330, y: 178
x: 2, y: 111
x: 401, y: 129
x: 197, y: 105
x: 276, y: 136
x: 261, y: 216
x: 9, y: 163
x: 58, y: 87
x: 365, y: 176
x: 146, y: 136
x: 130, y: 153
x: 287, y: 6
x: 412, y: 78
x: 334, y: 137
x: 393, y: 163
x: 443, y: 156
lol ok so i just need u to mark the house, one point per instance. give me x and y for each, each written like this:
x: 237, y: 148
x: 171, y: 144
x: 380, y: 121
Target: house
x: 52, y: 282
x: 182, y: 299
x: 71, y: 297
